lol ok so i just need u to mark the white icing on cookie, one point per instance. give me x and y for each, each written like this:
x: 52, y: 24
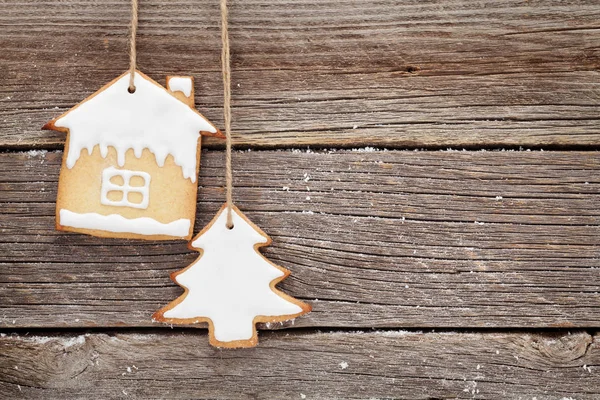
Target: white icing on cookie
x: 150, y: 118
x: 229, y: 283
x: 181, y: 84
x: 118, y: 223
x: 125, y: 188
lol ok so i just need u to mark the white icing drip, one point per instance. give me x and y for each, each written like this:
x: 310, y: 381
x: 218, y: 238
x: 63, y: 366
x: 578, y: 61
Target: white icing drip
x: 181, y: 84
x: 150, y: 118
x: 229, y: 283
x: 118, y: 223
x: 125, y: 188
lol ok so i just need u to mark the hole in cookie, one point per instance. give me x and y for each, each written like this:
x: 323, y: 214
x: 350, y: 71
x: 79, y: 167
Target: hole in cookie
x: 137, y: 181
x: 117, y: 180
x: 135, y: 197
x: 131, y: 89
x: 115, y: 195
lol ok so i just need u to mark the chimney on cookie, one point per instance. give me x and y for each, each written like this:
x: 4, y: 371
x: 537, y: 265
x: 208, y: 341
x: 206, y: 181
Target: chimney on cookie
x: 182, y: 87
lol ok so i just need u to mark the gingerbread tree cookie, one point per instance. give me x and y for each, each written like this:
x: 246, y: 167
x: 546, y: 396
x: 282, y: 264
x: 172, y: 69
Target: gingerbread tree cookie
x: 231, y: 285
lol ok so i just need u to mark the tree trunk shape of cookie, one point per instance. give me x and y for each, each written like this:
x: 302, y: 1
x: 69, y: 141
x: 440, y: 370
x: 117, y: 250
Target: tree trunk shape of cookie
x: 231, y: 285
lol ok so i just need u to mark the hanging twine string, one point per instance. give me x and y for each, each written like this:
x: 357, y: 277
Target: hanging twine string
x: 226, y: 71
x: 132, y: 53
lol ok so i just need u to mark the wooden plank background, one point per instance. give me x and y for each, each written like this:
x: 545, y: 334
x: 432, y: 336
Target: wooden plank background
x: 432, y: 274
x: 340, y: 365
x: 324, y: 73
x: 373, y: 239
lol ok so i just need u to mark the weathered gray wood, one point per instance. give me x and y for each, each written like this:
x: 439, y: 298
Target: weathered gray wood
x: 336, y: 365
x: 313, y: 72
x: 387, y: 239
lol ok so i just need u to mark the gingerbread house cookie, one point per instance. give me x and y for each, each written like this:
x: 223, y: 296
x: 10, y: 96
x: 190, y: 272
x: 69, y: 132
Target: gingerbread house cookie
x: 131, y: 160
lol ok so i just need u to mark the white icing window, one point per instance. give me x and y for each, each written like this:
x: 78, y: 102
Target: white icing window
x: 124, y: 188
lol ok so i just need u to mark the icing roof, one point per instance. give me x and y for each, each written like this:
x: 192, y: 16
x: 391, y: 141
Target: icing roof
x: 150, y: 118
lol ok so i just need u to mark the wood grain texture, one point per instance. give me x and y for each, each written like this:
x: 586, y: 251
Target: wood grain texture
x: 323, y: 73
x: 337, y: 365
x: 373, y: 239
